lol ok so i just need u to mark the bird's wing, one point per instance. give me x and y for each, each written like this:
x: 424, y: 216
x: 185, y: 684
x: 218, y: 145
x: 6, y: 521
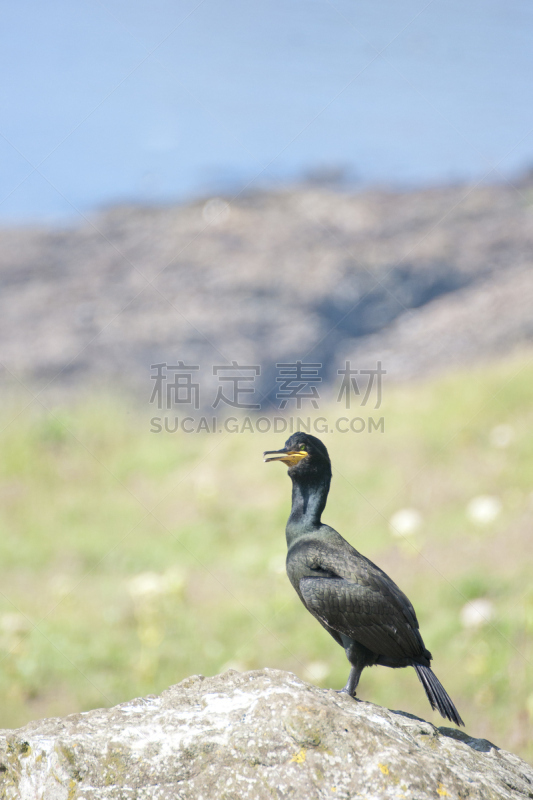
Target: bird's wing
x: 365, y: 605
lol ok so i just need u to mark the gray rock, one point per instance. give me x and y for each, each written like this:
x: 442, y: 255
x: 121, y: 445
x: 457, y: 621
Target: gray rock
x: 262, y: 734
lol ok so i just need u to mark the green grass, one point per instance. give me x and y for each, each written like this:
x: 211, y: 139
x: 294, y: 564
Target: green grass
x: 129, y: 560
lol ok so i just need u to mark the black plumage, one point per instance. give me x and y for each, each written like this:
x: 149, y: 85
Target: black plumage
x: 355, y: 601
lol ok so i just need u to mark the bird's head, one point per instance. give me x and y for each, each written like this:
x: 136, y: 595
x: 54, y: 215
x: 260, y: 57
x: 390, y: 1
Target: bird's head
x: 305, y: 456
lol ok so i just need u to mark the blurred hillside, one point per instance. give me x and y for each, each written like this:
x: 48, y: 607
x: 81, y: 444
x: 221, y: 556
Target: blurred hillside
x: 424, y: 281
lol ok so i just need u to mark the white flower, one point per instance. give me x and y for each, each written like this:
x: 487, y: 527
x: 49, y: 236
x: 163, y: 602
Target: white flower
x: 405, y: 522
x: 145, y: 584
x: 62, y: 585
x: 11, y: 622
x: 477, y: 612
x: 502, y: 435
x: 153, y: 584
x: 483, y: 509
x: 316, y: 671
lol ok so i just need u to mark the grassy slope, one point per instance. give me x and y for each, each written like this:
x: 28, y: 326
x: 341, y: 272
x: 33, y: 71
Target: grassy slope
x: 130, y: 560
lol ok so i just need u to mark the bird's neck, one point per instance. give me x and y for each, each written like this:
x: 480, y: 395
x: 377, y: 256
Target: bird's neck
x: 308, y: 503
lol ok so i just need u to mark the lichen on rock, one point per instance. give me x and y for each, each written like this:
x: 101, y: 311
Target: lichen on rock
x: 252, y: 736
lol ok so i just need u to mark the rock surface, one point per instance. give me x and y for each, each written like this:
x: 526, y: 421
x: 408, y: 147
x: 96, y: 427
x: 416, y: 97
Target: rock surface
x: 262, y: 734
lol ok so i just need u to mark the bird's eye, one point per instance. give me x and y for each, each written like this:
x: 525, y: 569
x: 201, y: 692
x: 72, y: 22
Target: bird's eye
x: 302, y: 447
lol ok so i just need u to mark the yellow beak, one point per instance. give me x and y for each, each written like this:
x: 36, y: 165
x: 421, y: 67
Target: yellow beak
x: 288, y: 457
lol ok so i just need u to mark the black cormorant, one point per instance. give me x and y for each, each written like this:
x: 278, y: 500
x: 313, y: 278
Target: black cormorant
x: 355, y: 601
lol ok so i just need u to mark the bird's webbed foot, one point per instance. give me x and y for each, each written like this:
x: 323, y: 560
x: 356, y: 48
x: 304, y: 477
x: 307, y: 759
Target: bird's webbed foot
x: 346, y: 690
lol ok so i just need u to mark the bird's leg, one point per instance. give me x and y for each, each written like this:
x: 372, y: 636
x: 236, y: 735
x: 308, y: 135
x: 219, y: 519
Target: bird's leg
x: 353, y: 680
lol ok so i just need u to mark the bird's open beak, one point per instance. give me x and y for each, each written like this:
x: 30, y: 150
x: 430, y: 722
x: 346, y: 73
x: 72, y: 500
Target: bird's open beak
x: 288, y: 457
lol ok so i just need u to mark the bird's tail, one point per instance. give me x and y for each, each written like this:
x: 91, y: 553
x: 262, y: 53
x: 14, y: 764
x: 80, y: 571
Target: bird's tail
x: 437, y: 695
